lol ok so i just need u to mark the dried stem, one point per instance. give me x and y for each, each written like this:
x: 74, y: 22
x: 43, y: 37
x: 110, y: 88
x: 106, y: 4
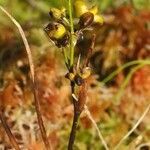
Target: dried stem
x: 78, y: 108
x: 8, y: 132
x: 74, y: 129
x: 89, y: 53
x: 82, y: 95
x: 31, y: 65
x: 96, y: 127
x: 134, y: 127
x: 75, y: 120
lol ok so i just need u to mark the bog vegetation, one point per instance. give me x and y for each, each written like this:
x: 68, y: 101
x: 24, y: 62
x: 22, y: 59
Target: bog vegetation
x: 74, y: 74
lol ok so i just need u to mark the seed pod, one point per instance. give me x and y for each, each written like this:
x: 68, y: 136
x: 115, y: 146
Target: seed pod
x: 55, y: 30
x: 86, y: 72
x: 78, y: 80
x: 80, y: 7
x: 86, y: 20
x: 80, y: 37
x: 55, y: 13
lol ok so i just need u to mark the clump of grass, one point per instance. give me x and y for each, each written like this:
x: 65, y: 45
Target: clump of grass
x: 37, y: 105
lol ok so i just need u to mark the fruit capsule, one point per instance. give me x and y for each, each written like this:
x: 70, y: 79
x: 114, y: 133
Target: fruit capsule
x: 55, y: 13
x: 86, y: 19
x: 55, y: 30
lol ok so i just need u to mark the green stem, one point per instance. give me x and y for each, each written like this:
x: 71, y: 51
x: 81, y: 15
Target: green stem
x: 71, y: 36
x: 125, y: 82
x: 135, y: 62
x: 65, y: 56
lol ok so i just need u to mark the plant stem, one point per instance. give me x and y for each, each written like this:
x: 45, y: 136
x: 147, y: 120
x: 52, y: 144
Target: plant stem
x: 96, y: 127
x: 135, y: 62
x: 40, y: 120
x: 75, y: 103
x: 75, y: 120
x: 8, y: 132
x: 120, y: 92
x: 65, y: 56
x: 31, y: 65
x: 147, y: 109
x: 71, y: 36
x: 73, y: 130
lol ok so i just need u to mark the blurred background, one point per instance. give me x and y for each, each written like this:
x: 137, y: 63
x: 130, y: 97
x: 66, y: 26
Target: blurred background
x: 115, y: 106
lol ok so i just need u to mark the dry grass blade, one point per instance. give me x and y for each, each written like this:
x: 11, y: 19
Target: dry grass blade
x: 134, y: 127
x: 24, y: 41
x: 40, y: 121
x: 96, y: 127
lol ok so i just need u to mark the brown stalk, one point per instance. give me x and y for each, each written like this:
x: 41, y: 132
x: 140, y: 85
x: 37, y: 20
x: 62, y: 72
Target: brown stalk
x: 89, y: 53
x: 31, y: 65
x: 78, y: 108
x: 47, y: 144
x: 75, y: 119
x: 80, y: 102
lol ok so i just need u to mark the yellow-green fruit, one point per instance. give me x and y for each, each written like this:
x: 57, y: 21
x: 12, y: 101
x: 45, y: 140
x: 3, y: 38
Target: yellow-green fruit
x: 94, y: 10
x: 98, y: 19
x: 55, y: 30
x: 55, y: 13
x: 60, y: 31
x: 80, y: 7
x: 86, y: 72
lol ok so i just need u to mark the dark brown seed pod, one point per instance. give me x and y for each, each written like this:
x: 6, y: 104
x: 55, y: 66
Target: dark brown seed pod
x: 78, y: 80
x: 86, y: 20
x: 49, y: 27
x: 80, y: 37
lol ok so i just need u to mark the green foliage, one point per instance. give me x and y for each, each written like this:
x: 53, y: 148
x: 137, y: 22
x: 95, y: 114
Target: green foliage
x: 141, y: 4
x: 84, y: 136
x: 104, y: 4
x: 137, y: 4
